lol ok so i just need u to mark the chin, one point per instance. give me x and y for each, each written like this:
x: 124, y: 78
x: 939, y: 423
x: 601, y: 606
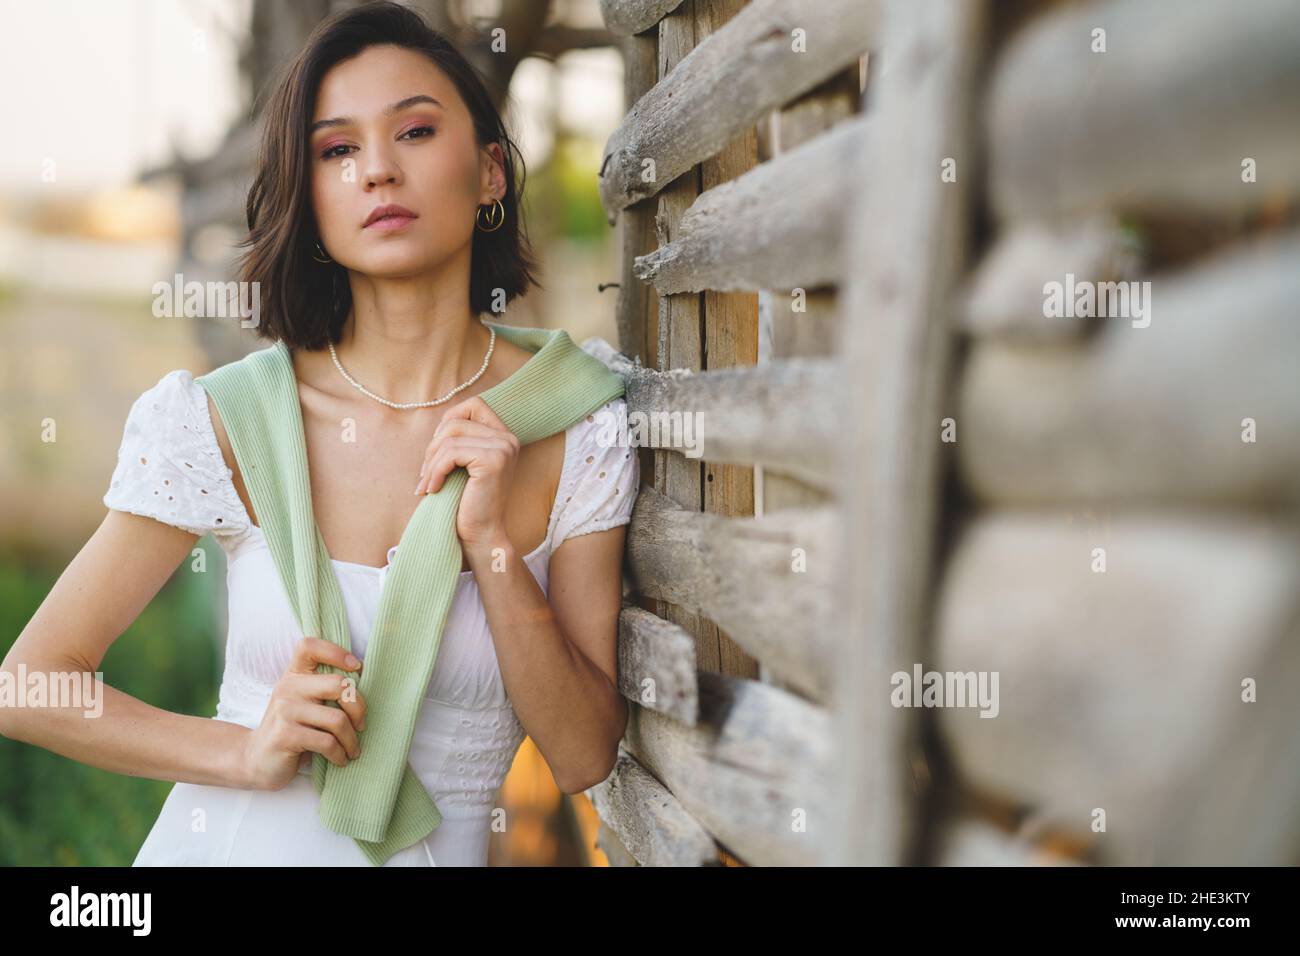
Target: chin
x: 395, y: 262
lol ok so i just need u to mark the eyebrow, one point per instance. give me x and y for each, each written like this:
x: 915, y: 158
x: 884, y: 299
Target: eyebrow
x: 394, y: 108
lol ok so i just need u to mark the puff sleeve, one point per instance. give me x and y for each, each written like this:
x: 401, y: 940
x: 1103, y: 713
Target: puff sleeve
x: 169, y: 465
x: 602, y: 474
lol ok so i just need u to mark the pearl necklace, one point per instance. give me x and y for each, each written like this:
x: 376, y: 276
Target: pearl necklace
x: 492, y: 341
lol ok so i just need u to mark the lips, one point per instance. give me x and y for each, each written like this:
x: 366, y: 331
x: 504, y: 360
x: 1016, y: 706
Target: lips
x: 389, y: 216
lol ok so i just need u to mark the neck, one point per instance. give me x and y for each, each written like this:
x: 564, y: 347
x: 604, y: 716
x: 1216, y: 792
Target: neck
x: 410, y: 340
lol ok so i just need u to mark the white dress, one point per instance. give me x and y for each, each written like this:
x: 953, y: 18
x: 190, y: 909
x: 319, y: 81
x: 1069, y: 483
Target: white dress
x: 170, y: 468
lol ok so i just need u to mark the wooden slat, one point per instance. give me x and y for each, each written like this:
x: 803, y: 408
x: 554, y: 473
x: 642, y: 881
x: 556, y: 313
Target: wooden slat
x: 729, y: 339
x: 754, y: 772
x: 679, y: 323
x: 906, y: 253
x: 1160, y: 121
x: 779, y: 226
x: 628, y: 17
x: 1122, y: 690
x: 608, y: 842
x: 1150, y: 414
x: 1005, y: 298
x: 636, y: 300
x: 690, y: 115
x: 656, y: 665
x: 775, y: 414
x: 648, y: 821
x: 744, y: 574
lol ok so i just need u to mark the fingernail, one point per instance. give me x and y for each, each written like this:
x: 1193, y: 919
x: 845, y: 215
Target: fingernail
x: 352, y: 662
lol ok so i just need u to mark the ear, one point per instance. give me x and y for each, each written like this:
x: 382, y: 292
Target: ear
x: 492, y: 179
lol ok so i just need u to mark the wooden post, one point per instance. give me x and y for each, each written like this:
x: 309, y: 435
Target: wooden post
x: 703, y: 330
x: 730, y: 338
x: 906, y: 241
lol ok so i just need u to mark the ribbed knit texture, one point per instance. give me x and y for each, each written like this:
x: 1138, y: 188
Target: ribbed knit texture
x: 377, y: 799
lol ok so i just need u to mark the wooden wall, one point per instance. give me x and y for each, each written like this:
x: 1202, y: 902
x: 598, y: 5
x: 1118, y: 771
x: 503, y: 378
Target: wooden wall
x: 841, y: 222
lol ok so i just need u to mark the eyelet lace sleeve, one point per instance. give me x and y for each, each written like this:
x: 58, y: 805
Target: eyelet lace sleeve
x: 169, y: 465
x: 602, y: 474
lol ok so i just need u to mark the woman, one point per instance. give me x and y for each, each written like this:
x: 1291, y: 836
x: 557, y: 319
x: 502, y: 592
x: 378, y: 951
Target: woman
x: 383, y: 221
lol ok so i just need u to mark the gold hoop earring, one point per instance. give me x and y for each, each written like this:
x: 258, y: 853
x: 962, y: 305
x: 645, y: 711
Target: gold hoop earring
x: 495, y: 217
x: 322, y: 253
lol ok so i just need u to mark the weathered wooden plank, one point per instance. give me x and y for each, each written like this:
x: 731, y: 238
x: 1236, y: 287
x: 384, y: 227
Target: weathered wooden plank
x: 1162, y: 120
x: 906, y: 253
x: 775, y: 414
x: 656, y: 664
x: 648, y: 820
x: 781, y: 225
x: 608, y: 842
x: 679, y: 326
x: 765, y: 580
x: 729, y: 337
x: 769, y: 53
x: 636, y: 300
x: 1152, y: 414
x: 1005, y: 298
x: 753, y: 772
x: 1122, y: 690
x: 628, y: 17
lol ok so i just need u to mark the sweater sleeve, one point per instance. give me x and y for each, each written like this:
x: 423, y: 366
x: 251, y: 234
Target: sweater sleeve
x: 602, y: 474
x: 169, y: 465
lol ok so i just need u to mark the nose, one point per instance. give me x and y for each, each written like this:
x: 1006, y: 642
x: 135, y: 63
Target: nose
x: 381, y: 170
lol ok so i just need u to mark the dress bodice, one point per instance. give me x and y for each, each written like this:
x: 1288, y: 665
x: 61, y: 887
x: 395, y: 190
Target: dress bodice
x: 170, y: 468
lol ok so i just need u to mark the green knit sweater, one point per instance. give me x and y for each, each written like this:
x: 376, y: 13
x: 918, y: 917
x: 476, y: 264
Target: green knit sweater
x: 377, y: 799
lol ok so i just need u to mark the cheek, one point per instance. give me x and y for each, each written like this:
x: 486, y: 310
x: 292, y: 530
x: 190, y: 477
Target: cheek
x: 447, y: 173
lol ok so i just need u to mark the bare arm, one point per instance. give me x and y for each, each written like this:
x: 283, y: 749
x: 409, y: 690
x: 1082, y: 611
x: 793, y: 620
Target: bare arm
x: 101, y: 592
x: 559, y: 658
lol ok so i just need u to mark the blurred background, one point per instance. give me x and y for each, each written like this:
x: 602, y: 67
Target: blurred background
x: 131, y: 128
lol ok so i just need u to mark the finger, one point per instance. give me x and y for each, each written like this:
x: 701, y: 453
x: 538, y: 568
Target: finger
x: 466, y: 429
x: 461, y: 451
x: 462, y: 426
x: 313, y: 651
x: 477, y: 410
x: 307, y: 739
x: 461, y: 429
x: 442, y: 461
x: 340, y: 687
x: 329, y: 719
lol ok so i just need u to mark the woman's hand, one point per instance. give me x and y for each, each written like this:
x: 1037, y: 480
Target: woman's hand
x: 471, y: 434
x: 296, y: 721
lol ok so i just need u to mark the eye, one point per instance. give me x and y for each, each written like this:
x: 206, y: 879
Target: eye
x: 330, y: 152
x: 422, y: 131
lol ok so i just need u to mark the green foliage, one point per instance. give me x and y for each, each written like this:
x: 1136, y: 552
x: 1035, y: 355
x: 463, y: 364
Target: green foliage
x: 567, y: 187
x: 58, y: 812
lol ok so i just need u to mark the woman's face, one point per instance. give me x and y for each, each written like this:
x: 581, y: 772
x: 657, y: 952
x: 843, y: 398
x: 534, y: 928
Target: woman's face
x: 391, y: 129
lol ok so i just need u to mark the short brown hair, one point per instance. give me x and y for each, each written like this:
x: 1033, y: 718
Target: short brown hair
x: 304, y: 301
